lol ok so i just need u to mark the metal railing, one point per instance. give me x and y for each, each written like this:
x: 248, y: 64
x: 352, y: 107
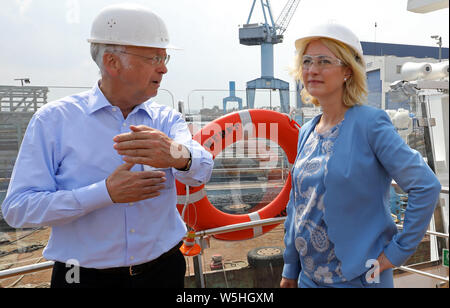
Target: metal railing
x: 273, y: 221
x: 28, y: 269
x: 22, y: 99
x: 225, y: 229
x: 29, y: 99
x: 230, y: 228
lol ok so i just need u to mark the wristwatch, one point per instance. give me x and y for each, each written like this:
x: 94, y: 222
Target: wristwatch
x: 189, y: 163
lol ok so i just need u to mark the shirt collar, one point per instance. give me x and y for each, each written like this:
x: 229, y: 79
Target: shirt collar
x: 97, y: 101
x: 146, y: 107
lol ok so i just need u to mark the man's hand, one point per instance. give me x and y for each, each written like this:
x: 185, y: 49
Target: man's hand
x: 148, y: 146
x: 125, y: 186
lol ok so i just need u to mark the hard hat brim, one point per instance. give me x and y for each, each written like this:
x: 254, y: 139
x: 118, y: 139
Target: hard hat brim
x: 312, y: 37
x: 334, y: 31
x: 108, y: 42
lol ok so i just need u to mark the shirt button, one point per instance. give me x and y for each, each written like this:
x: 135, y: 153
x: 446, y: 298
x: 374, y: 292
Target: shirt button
x: 114, y: 109
x: 124, y: 124
x: 132, y: 230
x: 131, y: 258
x: 131, y: 203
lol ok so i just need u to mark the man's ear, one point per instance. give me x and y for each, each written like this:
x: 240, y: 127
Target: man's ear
x: 111, y: 64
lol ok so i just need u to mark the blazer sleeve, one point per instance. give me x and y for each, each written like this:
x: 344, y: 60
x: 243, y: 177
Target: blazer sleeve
x: 291, y: 268
x: 407, y: 167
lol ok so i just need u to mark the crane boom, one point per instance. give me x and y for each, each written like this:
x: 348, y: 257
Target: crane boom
x: 286, y: 16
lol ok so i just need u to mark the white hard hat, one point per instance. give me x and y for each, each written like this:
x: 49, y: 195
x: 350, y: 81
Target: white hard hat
x: 334, y: 31
x: 131, y: 25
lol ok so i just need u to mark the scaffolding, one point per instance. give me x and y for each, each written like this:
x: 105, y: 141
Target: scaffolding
x: 22, y: 99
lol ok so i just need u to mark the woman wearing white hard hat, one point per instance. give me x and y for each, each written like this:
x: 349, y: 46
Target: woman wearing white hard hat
x: 339, y: 231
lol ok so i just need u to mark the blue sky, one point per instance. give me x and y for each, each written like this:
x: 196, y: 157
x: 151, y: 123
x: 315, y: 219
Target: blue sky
x: 46, y: 39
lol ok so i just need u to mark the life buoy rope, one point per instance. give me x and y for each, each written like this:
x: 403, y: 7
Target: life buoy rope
x: 198, y: 212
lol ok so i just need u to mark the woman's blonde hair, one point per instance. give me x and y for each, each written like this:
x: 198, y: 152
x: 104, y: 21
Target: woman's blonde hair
x: 355, y: 90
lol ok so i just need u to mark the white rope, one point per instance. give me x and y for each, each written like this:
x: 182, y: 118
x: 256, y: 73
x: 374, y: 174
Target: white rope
x: 258, y: 230
x: 186, y: 202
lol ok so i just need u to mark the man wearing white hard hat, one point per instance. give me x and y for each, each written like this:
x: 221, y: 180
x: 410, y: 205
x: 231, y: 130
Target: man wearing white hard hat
x: 99, y: 167
x: 339, y: 229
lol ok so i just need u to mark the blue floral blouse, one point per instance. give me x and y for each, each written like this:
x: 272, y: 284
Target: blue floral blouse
x: 316, y: 251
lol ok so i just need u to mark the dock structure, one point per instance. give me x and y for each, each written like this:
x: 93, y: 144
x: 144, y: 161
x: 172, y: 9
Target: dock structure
x: 17, y: 106
x: 22, y: 99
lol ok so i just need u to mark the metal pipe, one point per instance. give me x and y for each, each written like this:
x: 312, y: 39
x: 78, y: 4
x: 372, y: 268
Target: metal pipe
x: 26, y: 269
x: 241, y: 226
x: 444, y: 235
x: 411, y: 270
x: 230, y: 228
x: 272, y: 221
x: 171, y: 95
x: 444, y: 189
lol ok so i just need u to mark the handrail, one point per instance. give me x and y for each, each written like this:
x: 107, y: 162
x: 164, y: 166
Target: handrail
x: 225, y: 229
x: 241, y: 226
x: 429, y: 232
x: 12, y: 105
x: 444, y: 189
x: 26, y: 269
x: 230, y: 228
x: 412, y: 270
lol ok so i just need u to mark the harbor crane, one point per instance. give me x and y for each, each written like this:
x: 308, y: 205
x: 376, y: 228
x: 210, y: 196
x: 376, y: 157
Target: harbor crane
x: 266, y: 35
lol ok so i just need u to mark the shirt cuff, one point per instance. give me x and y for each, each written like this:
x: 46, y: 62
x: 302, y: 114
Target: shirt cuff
x: 395, y: 254
x: 291, y: 271
x: 93, y: 197
x: 201, y: 168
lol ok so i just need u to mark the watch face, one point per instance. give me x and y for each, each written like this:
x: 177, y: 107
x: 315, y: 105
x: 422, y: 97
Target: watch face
x: 188, y: 166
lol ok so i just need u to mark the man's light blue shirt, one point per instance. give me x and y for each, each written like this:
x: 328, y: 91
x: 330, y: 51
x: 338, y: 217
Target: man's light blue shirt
x: 59, y: 181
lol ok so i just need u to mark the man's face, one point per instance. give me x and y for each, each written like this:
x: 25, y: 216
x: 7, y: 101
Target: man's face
x: 141, y: 74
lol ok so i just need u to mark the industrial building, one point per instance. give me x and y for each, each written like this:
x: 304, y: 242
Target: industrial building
x: 384, y: 62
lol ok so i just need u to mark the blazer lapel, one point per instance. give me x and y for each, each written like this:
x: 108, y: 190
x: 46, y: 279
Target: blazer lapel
x: 307, y: 129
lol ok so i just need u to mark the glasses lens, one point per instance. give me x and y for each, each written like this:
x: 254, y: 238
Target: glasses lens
x: 320, y: 61
x: 307, y: 61
x: 158, y: 60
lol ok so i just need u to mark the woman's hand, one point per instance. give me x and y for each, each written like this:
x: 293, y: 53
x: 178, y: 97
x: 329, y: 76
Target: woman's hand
x: 384, y: 263
x: 288, y: 283
x: 381, y: 265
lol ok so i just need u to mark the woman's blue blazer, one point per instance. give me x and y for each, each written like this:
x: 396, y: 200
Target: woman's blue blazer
x: 368, y: 154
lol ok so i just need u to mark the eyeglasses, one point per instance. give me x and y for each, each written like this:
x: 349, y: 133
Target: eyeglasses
x: 321, y: 61
x: 156, y: 60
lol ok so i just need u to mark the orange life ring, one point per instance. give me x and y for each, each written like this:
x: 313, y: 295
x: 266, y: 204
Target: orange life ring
x: 200, y: 214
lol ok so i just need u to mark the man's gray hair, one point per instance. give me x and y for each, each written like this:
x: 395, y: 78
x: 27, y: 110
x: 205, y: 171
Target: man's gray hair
x: 98, y: 51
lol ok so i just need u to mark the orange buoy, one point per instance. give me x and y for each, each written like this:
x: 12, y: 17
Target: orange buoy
x: 198, y: 212
x: 189, y: 247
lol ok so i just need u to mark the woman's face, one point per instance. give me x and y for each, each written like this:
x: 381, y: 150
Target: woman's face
x: 323, y: 74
